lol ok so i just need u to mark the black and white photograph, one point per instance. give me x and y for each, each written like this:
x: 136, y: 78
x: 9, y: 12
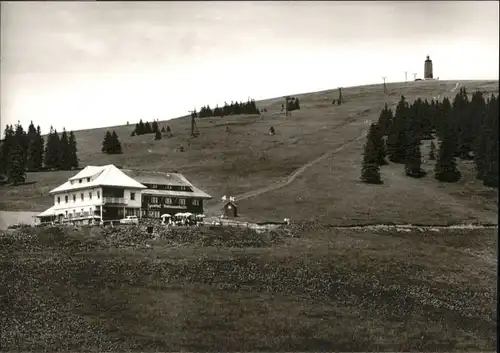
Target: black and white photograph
x: 249, y: 176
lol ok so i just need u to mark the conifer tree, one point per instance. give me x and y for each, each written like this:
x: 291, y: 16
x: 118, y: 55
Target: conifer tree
x: 158, y: 135
x: 163, y: 129
x: 370, y: 170
x: 40, y: 143
x: 64, y: 152
x: 491, y: 145
x: 385, y: 120
x: 51, y: 154
x: 154, y: 127
x: 116, y: 145
x: 16, y: 170
x: 413, y: 158
x: 32, y: 148
x: 396, y: 137
x: 73, y: 151
x: 445, y: 169
x: 7, y: 148
x: 147, y: 128
x: 106, y: 143
x: 168, y: 129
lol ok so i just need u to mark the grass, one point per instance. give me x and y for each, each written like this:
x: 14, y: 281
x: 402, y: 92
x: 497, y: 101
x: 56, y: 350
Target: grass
x: 248, y: 158
x: 321, y: 290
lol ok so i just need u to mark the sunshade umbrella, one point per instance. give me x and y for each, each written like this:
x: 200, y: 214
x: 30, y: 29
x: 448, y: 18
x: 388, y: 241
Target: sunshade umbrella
x: 180, y: 214
x: 200, y: 215
x: 165, y: 215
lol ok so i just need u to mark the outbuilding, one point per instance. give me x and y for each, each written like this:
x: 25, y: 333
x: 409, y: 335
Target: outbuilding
x: 230, y: 209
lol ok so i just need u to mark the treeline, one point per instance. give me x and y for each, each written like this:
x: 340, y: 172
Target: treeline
x: 291, y: 104
x: 142, y: 128
x: 235, y: 108
x: 465, y: 129
x: 26, y: 151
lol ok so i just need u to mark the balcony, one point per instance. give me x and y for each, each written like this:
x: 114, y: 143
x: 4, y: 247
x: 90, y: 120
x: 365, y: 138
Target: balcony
x: 113, y: 200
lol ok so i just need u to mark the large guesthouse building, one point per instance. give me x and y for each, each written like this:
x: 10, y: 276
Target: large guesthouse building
x: 108, y: 193
x: 168, y: 193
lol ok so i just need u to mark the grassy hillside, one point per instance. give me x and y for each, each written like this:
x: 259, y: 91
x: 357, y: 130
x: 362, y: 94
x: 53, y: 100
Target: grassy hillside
x: 314, y: 289
x: 247, y: 158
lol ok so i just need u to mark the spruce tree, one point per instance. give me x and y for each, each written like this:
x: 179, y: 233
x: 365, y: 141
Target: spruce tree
x: 147, y: 128
x: 445, y: 169
x: 370, y: 170
x: 413, y: 158
x: 396, y: 143
x: 106, y: 143
x: 32, y: 147
x: 16, y: 170
x: 385, y: 120
x: 168, y: 129
x: 158, y: 135
x: 7, y: 148
x: 40, y: 143
x: 116, y: 145
x: 163, y: 129
x: 52, y: 145
x: 491, y: 145
x: 154, y: 127
x: 64, y: 152
x: 73, y: 151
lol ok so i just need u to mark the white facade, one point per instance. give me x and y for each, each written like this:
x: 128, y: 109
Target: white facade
x: 83, y: 197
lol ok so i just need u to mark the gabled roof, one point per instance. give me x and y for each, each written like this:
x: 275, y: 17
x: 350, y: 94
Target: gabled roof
x: 158, y: 178
x: 196, y: 193
x: 107, y: 175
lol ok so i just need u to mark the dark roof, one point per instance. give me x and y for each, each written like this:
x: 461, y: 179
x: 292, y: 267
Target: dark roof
x: 170, y: 193
x: 231, y: 203
x: 158, y: 178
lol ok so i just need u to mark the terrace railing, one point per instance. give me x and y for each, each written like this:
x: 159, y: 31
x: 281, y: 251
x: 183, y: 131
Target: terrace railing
x: 113, y: 200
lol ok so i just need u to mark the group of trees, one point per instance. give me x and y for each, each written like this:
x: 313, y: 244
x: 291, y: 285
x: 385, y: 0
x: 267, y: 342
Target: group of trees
x: 142, y: 128
x: 26, y: 151
x: 234, y: 108
x: 111, y: 144
x: 292, y: 103
x: 466, y: 129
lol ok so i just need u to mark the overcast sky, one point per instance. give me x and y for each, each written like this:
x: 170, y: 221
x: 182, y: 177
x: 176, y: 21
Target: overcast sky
x: 93, y: 64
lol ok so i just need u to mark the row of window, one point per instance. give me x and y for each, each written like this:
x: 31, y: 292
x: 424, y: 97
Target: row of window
x: 172, y: 201
x: 82, y: 197
x: 169, y: 187
x: 79, y: 181
x: 83, y: 213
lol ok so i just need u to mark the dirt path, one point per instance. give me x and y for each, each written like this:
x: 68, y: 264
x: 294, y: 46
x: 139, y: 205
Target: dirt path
x: 302, y: 169
x: 289, y: 179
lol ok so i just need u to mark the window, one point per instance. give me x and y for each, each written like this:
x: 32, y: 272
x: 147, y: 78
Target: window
x: 196, y: 202
x: 169, y: 187
x: 90, y: 195
x: 81, y: 196
x: 66, y: 214
x: 132, y: 196
x: 71, y: 182
x: 58, y: 199
x: 168, y: 201
x: 66, y: 198
x: 154, y: 186
x: 154, y: 214
x: 182, y: 202
x: 154, y: 200
x: 98, y: 194
x: 88, y: 180
x: 80, y: 181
